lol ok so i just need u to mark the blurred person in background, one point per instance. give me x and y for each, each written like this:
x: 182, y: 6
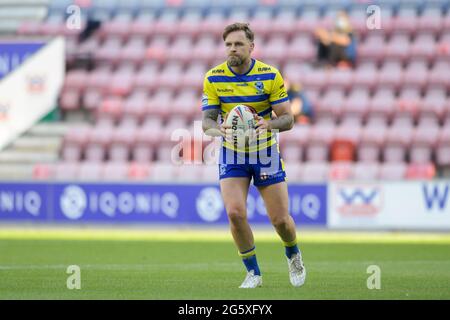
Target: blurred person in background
x: 338, y: 46
x: 301, y: 106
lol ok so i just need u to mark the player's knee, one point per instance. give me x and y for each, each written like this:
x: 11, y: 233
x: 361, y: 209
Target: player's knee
x: 236, y: 214
x: 281, y: 222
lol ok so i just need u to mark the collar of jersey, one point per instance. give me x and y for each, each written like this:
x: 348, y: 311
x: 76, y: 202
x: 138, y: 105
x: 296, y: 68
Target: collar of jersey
x: 243, y: 74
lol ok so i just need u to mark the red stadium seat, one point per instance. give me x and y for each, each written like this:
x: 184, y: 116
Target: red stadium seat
x: 341, y: 170
x: 139, y: 171
x: 422, y: 171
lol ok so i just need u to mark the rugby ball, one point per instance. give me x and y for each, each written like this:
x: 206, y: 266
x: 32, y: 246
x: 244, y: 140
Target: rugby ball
x: 242, y: 125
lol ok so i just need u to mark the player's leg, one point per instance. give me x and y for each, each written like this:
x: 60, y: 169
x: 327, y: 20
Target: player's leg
x: 276, y: 200
x: 234, y: 193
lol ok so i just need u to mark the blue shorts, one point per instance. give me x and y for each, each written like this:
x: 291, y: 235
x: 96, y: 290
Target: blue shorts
x: 265, y: 167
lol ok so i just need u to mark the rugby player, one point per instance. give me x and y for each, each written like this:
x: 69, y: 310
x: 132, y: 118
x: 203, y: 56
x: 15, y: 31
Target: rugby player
x: 244, y: 80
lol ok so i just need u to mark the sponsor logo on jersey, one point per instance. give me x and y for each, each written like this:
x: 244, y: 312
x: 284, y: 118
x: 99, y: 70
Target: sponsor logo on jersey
x: 225, y: 90
x: 216, y: 71
x: 264, y: 69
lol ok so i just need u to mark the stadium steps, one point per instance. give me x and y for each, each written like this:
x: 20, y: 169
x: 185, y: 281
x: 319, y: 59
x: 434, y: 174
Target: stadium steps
x: 14, y: 13
x: 40, y: 144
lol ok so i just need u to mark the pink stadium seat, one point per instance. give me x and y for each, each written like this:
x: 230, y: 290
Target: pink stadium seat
x: 190, y: 23
x: 407, y: 104
x: 308, y: 21
x: 331, y: 104
x: 292, y: 152
x: 121, y: 83
x: 372, y: 139
x: 315, y: 78
x: 356, y: 105
x: 193, y: 76
x: 76, y: 80
x: 119, y: 26
x: 210, y: 173
x: 373, y: 48
x: 170, y: 76
x: 98, y: 141
x: 167, y: 23
x: 284, y: 22
x: 109, y: 51
x: 382, y: 103
x: 390, y: 74
x: 114, y: 171
x: 163, y: 171
x: 146, y: 76
x: 393, y: 171
x: 320, y: 139
x: 186, y: 103
x: 365, y: 76
x: 294, y: 171
x: 431, y: 20
x: 189, y: 172
x: 43, y: 171
x: 205, y: 49
x: 443, y: 147
x: 420, y: 171
x: 181, y: 49
x: 158, y: 48
x: 134, y: 50
x: 74, y: 142
x: 341, y: 171
x: 139, y: 171
x: 366, y: 171
x: 89, y: 171
x: 434, y: 103
x: 423, y: 142
x: 398, y: 139
x: 142, y: 24
x: 99, y: 78
x: 275, y: 48
x: 293, y: 71
x: 111, y: 109
x: 440, y: 74
x: 157, y: 104
x: 122, y: 141
x: 66, y: 171
x: 340, y: 78
x: 424, y: 46
x: 134, y: 107
x: 301, y: 48
x: 315, y: 171
x: 406, y: 20
x: 260, y: 22
x: 398, y: 47
x: 415, y: 75
x: 70, y: 99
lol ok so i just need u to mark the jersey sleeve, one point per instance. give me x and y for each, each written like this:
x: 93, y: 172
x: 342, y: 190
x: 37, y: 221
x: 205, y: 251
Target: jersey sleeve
x: 210, y: 99
x: 278, y: 94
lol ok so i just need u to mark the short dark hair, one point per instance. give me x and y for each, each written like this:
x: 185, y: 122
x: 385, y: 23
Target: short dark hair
x: 239, y: 27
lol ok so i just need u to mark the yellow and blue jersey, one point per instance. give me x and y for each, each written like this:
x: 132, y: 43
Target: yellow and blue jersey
x: 261, y: 88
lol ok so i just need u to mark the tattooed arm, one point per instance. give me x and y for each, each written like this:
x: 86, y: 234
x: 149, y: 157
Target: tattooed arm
x: 283, y: 122
x: 210, y: 125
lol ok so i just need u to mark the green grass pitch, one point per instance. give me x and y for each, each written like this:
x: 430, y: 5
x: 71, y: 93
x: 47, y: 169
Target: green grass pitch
x: 183, y: 264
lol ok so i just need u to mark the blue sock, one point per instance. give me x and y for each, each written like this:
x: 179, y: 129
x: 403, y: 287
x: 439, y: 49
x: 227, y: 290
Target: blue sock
x: 252, y: 264
x: 291, y: 250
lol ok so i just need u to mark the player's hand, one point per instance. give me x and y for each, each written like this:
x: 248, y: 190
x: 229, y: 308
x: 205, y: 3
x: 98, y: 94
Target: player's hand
x: 261, y: 125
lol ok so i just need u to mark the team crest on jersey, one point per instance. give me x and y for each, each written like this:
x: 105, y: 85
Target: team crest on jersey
x: 222, y: 169
x: 259, y: 87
